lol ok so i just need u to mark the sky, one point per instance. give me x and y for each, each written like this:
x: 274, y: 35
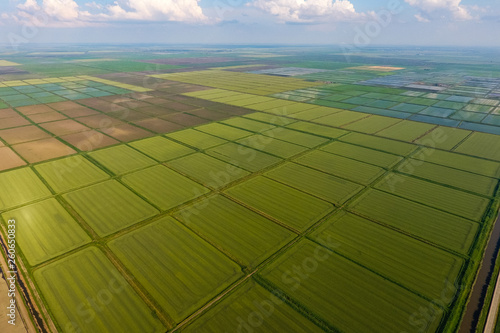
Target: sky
x: 351, y: 23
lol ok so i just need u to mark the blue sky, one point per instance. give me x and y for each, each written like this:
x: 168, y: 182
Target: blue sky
x: 350, y: 22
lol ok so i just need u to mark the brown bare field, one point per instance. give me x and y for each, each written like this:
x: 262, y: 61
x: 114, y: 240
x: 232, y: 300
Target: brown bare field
x: 126, y: 133
x: 9, y: 159
x: 22, y: 134
x: 63, y: 127
x: 158, y: 125
x: 15, y: 121
x: 46, y: 117
x: 89, y: 140
x: 34, y: 109
x: 42, y: 150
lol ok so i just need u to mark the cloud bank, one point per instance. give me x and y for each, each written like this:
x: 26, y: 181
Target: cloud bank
x: 69, y: 13
x: 309, y: 10
x: 434, y: 9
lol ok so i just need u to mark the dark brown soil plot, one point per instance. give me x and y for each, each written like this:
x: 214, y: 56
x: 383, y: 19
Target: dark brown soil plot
x: 140, y: 96
x: 90, y: 140
x: 134, y: 104
x: 72, y: 109
x: 197, y: 102
x: 209, y: 114
x: 23, y: 134
x: 158, y: 125
x: 63, y: 127
x: 185, y: 119
x: 173, y: 105
x: 101, y: 105
x: 158, y: 101
x: 42, y: 150
x: 155, y: 110
x: 129, y: 115
x: 9, y: 159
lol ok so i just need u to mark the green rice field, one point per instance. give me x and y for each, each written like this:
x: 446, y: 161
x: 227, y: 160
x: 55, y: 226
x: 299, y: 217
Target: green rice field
x: 250, y: 190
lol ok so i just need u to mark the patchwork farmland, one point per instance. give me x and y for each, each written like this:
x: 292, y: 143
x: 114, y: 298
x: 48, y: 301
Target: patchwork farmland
x: 244, y: 192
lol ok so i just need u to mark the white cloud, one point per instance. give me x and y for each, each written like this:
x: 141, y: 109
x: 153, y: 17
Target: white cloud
x: 436, y: 8
x: 171, y: 10
x: 308, y: 10
x: 62, y: 10
x: 69, y: 13
x: 420, y: 18
x: 29, y: 5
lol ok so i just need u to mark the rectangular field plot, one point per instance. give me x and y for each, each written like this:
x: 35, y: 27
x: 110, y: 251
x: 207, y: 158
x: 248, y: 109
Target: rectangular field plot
x: 427, y: 223
x: 207, y: 170
x: 443, y: 137
x: 237, y: 81
x: 196, y: 139
x: 388, y: 252
x: 45, y: 230
x: 272, y: 146
x: 482, y: 145
x: 121, y: 159
x: 70, y: 173
x: 120, y: 209
x: 224, y: 131
x: 448, y: 176
x: 239, y: 232
x: 334, y: 288
x: 179, y: 269
x: 20, y: 187
x: 406, y: 131
x: 387, y: 145
x: 298, y: 138
x: 315, y: 113
x: 461, y: 162
x: 317, y: 129
x: 270, y: 118
x: 248, y: 124
x: 243, y: 310
x: 286, y: 204
x: 322, y: 185
x: 164, y: 187
x: 243, y: 157
x: 70, y: 283
x: 371, y: 124
x: 441, y: 197
x: 341, y: 118
x: 161, y: 149
x: 340, y: 166
x: 378, y: 158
